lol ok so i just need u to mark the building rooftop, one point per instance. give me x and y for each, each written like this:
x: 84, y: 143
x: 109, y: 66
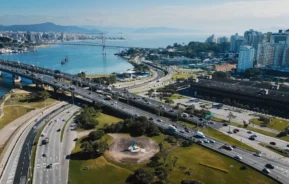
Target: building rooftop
x: 246, y: 88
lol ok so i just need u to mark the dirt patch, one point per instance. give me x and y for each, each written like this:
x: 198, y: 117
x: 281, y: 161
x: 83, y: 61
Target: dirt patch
x: 119, y: 152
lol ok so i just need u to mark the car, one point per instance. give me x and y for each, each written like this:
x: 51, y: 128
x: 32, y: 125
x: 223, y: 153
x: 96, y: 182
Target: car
x: 238, y: 157
x: 287, y: 145
x: 269, y: 166
x: 200, y: 142
x: 151, y: 119
x: 230, y: 132
x: 286, y: 149
x: 76, y: 139
x: 249, y: 132
x: 227, y: 147
x: 211, y: 122
x: 257, y: 154
x: 212, y: 141
x: 252, y: 138
x: 187, y: 130
x: 206, y: 141
x: 44, y: 155
x: 159, y: 120
x: 273, y: 143
x: 49, y: 166
x: 182, y: 131
x: 225, y: 124
x: 171, y: 110
x: 58, y: 130
x: 266, y: 171
x: 254, y: 135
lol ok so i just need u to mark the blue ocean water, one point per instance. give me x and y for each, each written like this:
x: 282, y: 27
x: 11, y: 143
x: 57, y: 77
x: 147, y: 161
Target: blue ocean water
x: 90, y: 59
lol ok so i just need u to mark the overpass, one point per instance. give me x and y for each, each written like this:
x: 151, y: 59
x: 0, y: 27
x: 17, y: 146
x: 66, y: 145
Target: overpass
x: 52, y: 78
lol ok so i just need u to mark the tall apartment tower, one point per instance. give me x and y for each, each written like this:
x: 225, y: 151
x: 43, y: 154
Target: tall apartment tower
x: 246, y: 58
x: 265, y: 54
x: 236, y: 42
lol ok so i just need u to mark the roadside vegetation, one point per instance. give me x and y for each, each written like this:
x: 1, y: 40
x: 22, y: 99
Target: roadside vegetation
x: 273, y: 123
x: 87, y: 118
x: 264, y: 132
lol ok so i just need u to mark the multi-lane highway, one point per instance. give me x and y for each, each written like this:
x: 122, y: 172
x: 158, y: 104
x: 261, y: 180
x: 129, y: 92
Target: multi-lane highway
x: 52, y: 153
x: 279, y: 173
x: 16, y: 169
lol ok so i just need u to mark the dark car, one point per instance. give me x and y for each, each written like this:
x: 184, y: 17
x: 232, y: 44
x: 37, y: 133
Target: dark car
x: 44, y: 155
x: 58, y: 130
x: 225, y: 124
x: 273, y: 143
x: 252, y: 138
x: 49, y: 166
x: 266, y: 171
x: 151, y: 118
x: 75, y: 139
x: 269, y: 166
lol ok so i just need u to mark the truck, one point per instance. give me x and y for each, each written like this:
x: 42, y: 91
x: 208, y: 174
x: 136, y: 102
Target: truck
x: 172, y: 129
x: 45, y: 141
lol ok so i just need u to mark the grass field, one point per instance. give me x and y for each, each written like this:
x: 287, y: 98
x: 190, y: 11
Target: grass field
x: 180, y: 75
x: 203, y: 165
x: 193, y: 160
x: 106, y: 119
x: 11, y: 113
x: 277, y: 124
x: 176, y: 97
x: 16, y: 100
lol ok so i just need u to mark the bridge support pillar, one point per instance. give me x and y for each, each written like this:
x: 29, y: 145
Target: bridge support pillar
x: 17, y: 79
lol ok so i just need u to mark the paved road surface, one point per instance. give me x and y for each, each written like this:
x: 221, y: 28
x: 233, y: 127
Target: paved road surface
x: 18, y: 162
x: 53, y: 151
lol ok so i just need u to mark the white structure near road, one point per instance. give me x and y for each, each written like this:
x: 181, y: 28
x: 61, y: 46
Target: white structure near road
x: 246, y: 58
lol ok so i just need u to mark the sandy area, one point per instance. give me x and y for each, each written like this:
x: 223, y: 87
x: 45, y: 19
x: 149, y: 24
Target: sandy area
x: 118, y: 150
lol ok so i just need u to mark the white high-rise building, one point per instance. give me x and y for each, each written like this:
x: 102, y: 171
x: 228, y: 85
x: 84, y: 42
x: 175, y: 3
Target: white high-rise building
x: 246, y: 58
x: 265, y: 54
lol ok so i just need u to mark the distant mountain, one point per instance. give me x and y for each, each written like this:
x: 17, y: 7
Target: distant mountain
x: 111, y: 29
x: 46, y: 27
x: 164, y: 30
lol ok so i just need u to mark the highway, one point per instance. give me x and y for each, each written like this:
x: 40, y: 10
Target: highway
x: 279, y: 173
x: 53, y: 151
x: 16, y: 169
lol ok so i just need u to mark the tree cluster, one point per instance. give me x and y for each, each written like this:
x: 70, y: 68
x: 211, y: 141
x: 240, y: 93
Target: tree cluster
x: 221, y: 74
x: 39, y: 96
x: 140, y: 67
x: 87, y: 118
x: 252, y: 73
x: 94, y: 145
x: 111, y: 79
x: 5, y: 39
x: 136, y: 127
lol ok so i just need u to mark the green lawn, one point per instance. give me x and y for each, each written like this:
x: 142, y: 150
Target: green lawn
x: 179, y: 75
x: 196, y: 160
x: 277, y: 124
x: 106, y: 119
x: 12, y: 113
x: 16, y: 99
x: 207, y: 166
x: 176, y: 97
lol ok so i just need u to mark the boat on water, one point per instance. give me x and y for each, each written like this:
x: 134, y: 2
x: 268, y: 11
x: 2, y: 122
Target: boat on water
x: 66, y: 59
x: 62, y: 62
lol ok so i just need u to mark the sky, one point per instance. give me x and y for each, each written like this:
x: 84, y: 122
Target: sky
x: 215, y: 16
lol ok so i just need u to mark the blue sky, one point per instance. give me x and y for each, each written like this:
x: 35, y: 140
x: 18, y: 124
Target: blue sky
x: 211, y: 15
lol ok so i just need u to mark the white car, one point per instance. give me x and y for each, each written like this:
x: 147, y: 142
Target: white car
x: 238, y: 157
x: 286, y: 149
x: 212, y: 141
x: 206, y: 141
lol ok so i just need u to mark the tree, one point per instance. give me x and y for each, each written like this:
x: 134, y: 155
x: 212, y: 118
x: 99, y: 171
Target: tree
x: 221, y: 74
x: 96, y: 135
x: 42, y: 95
x: 231, y: 116
x: 140, y: 176
x: 169, y: 101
